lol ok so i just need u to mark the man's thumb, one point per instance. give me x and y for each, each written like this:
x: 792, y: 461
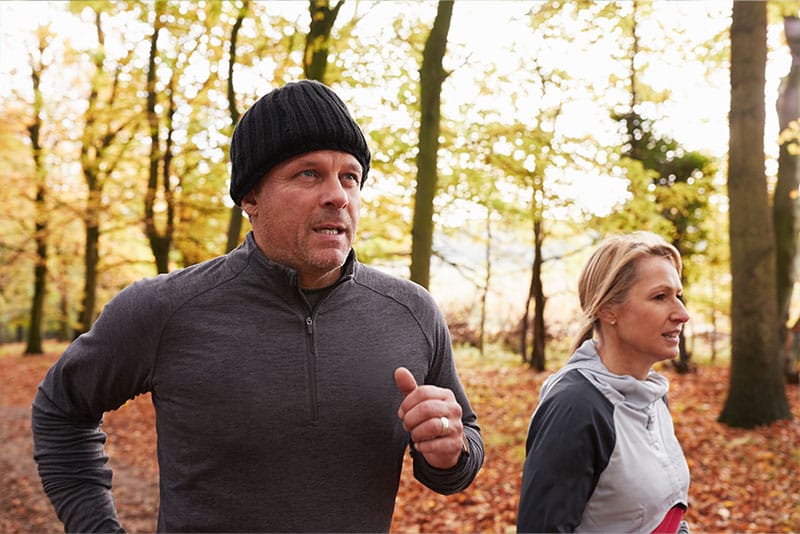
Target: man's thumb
x: 405, y: 380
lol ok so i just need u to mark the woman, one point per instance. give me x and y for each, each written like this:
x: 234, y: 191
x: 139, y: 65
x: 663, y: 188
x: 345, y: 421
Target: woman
x: 601, y: 453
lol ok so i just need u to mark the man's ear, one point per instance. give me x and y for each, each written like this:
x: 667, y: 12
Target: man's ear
x: 249, y: 203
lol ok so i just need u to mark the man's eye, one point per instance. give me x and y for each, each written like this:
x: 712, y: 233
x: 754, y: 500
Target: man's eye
x: 353, y: 177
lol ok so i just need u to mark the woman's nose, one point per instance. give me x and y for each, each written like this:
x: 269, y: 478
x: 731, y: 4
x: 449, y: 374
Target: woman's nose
x: 680, y: 314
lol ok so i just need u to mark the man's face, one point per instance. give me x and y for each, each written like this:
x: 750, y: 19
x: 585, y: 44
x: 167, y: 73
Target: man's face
x: 304, y: 213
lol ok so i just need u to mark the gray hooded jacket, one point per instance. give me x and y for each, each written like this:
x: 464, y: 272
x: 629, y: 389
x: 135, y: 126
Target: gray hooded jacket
x: 601, y: 453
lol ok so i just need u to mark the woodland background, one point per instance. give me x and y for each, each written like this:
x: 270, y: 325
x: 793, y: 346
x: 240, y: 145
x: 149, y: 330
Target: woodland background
x: 508, y: 137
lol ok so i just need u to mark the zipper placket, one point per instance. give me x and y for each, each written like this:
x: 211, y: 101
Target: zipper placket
x: 312, y: 352
x: 312, y: 369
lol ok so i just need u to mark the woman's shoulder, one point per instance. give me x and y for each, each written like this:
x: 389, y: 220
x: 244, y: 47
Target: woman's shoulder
x: 574, y: 396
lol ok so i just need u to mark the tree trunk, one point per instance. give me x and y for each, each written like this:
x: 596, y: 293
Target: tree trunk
x: 91, y: 258
x: 756, y: 394
x: 236, y: 217
x: 323, y: 17
x: 486, y: 281
x: 432, y: 76
x: 160, y: 159
x: 537, y: 291
x: 786, y: 205
x: 94, y: 199
x: 39, y: 273
x: 525, y: 323
x: 65, y: 327
x: 96, y: 166
x: 34, y: 345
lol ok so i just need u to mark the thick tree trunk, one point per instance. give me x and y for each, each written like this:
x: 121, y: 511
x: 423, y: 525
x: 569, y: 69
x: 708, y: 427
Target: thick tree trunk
x: 432, y: 76
x: 756, y: 395
x: 786, y: 204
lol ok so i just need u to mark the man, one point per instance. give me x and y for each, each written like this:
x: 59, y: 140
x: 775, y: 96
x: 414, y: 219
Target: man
x: 284, y: 375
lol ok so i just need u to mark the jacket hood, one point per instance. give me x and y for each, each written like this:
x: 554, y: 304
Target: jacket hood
x: 616, y: 388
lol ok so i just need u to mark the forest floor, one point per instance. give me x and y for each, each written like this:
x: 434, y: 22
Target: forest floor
x: 742, y: 480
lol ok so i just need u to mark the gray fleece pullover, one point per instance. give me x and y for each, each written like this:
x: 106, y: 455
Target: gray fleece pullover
x: 270, y: 416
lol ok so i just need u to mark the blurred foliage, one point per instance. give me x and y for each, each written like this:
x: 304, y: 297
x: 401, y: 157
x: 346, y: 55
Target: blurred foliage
x: 522, y: 140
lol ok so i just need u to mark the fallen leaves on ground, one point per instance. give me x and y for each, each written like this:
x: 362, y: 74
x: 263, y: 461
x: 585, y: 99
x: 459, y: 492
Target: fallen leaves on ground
x: 742, y: 480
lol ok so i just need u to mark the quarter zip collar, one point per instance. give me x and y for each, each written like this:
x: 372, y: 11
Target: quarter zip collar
x: 277, y: 273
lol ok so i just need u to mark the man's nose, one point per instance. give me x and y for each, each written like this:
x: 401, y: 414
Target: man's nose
x: 333, y: 193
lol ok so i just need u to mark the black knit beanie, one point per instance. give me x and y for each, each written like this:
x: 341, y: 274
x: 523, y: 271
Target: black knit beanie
x: 294, y: 119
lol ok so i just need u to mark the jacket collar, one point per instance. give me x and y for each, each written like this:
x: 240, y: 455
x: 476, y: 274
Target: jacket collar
x: 275, y: 271
x: 617, y: 388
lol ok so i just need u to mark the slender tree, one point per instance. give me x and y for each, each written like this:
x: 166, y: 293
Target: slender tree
x: 104, y: 141
x: 184, y: 117
x: 236, y: 217
x: 91, y: 149
x: 432, y: 76
x: 536, y: 294
x: 323, y: 17
x: 160, y: 153
x: 786, y: 204
x: 40, y: 236
x: 756, y: 394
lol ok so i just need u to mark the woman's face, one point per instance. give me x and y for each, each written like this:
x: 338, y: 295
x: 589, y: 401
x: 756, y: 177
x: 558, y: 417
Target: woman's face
x: 646, y: 327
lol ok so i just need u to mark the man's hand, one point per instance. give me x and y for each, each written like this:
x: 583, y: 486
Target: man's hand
x: 433, y: 417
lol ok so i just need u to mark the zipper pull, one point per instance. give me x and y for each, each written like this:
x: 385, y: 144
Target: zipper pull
x: 308, y: 324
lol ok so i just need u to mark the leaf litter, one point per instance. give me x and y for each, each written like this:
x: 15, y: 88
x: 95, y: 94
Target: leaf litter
x: 742, y: 480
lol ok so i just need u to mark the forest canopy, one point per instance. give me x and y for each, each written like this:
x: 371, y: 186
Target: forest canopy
x: 560, y: 123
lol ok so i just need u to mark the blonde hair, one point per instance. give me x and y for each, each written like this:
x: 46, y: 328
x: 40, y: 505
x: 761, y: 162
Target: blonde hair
x: 611, y: 271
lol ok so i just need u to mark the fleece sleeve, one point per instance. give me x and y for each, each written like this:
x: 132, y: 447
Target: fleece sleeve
x: 570, y: 440
x: 98, y: 372
x: 460, y: 476
x: 443, y: 374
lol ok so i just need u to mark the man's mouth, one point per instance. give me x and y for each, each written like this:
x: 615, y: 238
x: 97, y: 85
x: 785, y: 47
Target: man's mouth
x: 329, y: 230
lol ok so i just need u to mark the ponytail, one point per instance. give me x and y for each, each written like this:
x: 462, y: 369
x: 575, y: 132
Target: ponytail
x: 586, y: 334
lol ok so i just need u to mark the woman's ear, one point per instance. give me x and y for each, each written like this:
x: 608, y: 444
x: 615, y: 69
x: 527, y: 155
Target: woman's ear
x: 607, y: 314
